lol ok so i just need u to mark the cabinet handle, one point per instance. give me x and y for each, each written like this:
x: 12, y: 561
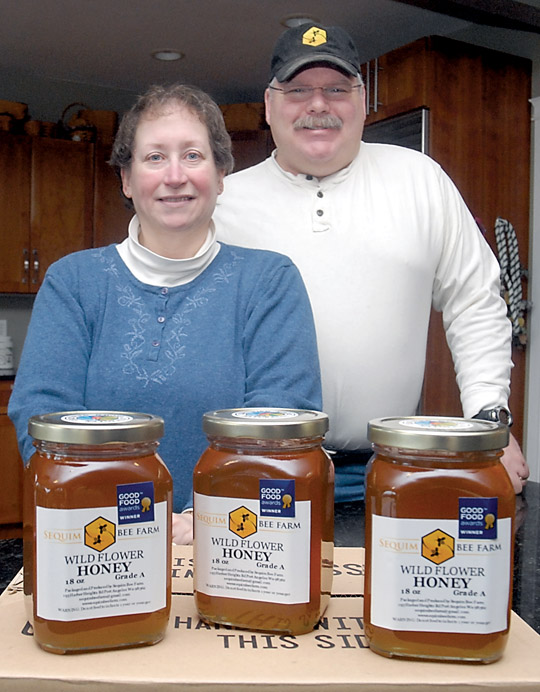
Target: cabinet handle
x: 36, y: 267
x: 26, y: 266
x: 376, y: 86
x: 372, y: 99
x: 368, y: 89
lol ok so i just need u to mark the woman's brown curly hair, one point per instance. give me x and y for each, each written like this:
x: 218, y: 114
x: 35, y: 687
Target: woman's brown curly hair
x: 155, y: 102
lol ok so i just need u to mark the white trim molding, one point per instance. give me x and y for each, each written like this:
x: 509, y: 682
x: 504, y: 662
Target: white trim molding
x: 532, y: 395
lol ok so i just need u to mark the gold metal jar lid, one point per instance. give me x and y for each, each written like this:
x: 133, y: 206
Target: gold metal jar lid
x: 265, y: 423
x: 438, y: 433
x: 95, y: 427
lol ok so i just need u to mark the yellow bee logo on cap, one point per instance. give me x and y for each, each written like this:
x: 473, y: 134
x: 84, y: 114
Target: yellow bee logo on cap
x: 314, y: 36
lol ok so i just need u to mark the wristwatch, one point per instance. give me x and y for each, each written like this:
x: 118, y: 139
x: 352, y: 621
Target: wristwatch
x: 497, y: 414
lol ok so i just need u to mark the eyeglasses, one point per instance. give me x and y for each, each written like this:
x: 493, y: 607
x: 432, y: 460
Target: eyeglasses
x: 299, y: 94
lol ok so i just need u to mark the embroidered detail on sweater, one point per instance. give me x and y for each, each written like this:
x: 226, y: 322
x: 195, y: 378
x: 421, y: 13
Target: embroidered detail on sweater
x: 137, y: 337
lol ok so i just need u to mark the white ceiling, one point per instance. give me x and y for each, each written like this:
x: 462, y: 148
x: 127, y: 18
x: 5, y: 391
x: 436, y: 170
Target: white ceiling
x: 227, y: 43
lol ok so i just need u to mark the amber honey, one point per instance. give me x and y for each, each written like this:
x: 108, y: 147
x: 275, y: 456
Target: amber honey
x: 263, y: 521
x: 439, y: 540
x: 97, y: 532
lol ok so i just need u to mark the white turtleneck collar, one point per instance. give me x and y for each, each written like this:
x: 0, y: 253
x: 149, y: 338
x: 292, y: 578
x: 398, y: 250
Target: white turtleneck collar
x: 155, y: 270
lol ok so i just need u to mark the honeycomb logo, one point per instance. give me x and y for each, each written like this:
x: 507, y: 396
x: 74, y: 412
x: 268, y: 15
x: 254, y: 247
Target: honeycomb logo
x: 99, y: 534
x: 438, y: 546
x: 314, y: 36
x: 242, y: 522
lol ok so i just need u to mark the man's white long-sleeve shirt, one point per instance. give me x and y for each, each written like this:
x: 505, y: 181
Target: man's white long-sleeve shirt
x: 377, y: 244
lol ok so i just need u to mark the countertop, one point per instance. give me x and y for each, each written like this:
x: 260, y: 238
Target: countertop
x: 349, y: 531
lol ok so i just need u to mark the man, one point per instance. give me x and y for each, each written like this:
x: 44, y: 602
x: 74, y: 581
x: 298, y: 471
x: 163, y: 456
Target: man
x: 380, y: 234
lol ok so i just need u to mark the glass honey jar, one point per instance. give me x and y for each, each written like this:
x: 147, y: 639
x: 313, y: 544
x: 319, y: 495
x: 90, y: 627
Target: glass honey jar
x: 264, y: 520
x: 439, y: 539
x: 97, y: 531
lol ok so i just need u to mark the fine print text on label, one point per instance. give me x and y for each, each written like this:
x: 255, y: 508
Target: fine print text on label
x: 103, y: 566
x: 425, y: 577
x: 243, y: 554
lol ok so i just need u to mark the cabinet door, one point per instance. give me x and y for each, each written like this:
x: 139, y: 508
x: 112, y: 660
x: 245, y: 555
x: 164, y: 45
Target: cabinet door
x: 14, y: 213
x: 12, y: 465
x: 12, y: 475
x: 397, y: 82
x: 61, y: 202
x: 111, y: 216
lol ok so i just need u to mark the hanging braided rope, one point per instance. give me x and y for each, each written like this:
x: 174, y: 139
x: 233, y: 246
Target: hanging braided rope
x: 511, y: 275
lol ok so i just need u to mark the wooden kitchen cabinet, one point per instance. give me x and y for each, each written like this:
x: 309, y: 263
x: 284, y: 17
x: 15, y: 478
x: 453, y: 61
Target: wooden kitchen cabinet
x: 111, y: 216
x: 11, y: 464
x: 45, y: 206
x: 479, y: 131
x: 251, y: 137
x: 15, y: 157
x: 250, y: 147
x: 61, y: 204
x: 395, y: 82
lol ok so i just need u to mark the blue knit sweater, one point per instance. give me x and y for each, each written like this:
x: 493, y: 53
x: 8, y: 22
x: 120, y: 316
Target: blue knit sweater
x: 239, y: 334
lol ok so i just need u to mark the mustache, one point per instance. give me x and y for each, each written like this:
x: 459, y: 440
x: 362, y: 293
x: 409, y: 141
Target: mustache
x: 318, y: 122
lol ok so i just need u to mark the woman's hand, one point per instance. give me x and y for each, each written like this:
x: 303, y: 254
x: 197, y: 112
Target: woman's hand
x: 182, y: 528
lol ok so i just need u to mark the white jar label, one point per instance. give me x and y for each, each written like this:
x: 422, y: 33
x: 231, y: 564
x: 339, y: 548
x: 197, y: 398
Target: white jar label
x: 243, y: 550
x: 426, y: 578
x: 92, y: 563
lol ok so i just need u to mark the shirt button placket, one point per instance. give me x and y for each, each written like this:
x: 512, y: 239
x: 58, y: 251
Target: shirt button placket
x: 320, y: 222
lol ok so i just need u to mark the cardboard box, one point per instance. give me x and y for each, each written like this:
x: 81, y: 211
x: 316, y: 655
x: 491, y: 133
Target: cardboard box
x: 195, y: 656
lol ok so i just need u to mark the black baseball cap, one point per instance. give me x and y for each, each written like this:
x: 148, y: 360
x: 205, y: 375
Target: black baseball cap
x: 312, y: 43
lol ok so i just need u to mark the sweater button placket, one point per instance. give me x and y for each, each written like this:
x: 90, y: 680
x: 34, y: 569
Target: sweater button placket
x: 157, y: 337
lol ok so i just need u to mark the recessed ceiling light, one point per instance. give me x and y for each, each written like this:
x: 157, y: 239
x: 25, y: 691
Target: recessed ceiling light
x: 292, y: 20
x: 167, y: 55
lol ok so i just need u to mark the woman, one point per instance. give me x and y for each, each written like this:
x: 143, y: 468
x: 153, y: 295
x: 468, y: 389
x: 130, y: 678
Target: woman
x: 169, y: 322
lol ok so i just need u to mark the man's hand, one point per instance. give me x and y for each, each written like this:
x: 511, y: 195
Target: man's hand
x: 182, y: 528
x: 515, y: 464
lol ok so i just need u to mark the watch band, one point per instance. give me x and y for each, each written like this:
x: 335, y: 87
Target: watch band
x: 497, y: 414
